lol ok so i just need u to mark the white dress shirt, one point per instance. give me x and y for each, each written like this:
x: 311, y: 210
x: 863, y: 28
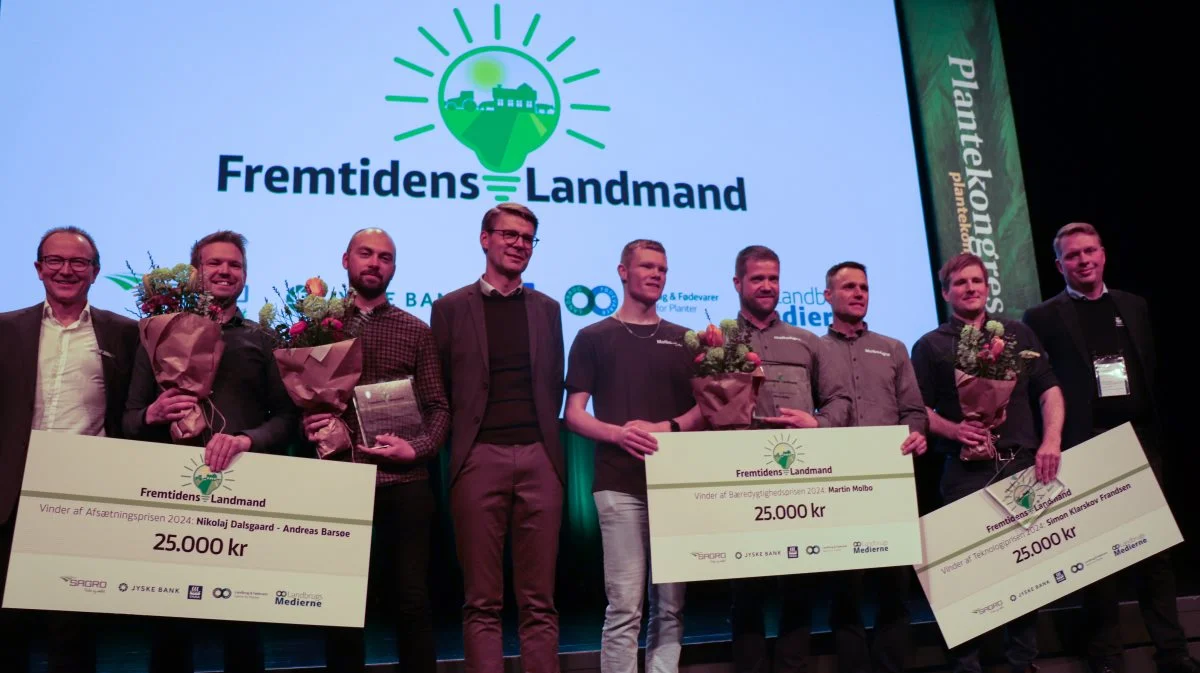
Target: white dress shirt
x: 69, y: 396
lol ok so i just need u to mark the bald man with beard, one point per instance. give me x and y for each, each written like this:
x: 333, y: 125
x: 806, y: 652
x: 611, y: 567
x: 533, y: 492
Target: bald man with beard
x: 395, y: 345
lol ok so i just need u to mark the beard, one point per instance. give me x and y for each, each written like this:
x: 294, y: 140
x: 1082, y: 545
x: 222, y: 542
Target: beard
x: 369, y: 292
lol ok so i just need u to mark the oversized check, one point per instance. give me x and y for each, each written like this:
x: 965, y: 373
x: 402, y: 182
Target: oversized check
x: 985, y: 569
x: 111, y: 525
x: 748, y: 503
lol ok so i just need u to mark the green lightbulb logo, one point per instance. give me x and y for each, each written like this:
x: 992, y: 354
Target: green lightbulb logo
x: 199, y: 475
x: 500, y: 102
x: 503, y: 106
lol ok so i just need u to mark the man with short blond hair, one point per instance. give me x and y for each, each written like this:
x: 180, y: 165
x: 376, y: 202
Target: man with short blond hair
x: 1102, y: 350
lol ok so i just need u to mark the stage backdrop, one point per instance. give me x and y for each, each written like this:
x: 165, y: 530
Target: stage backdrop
x: 707, y: 127
x: 971, y: 168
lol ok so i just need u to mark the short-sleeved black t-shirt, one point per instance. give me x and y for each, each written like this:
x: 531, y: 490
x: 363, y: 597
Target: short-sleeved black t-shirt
x: 630, y: 377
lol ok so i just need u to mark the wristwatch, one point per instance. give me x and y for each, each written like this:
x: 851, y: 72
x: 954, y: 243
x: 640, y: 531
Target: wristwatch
x: 674, y: 425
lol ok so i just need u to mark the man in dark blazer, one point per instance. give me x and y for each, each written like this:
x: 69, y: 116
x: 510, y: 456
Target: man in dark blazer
x: 1102, y: 350
x: 65, y: 368
x: 501, y: 349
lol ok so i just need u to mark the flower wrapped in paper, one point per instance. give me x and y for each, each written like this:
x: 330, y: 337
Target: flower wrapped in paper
x: 986, y: 367
x: 180, y: 331
x: 728, y: 375
x: 320, y: 363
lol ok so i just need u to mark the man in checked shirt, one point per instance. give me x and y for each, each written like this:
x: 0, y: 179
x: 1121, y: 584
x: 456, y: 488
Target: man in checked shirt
x: 395, y: 345
x: 883, y: 391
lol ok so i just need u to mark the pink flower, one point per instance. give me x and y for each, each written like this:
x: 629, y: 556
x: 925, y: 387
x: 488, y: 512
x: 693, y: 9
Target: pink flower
x: 753, y: 359
x: 332, y: 323
x: 986, y: 355
x: 997, y: 347
x: 699, y: 358
x: 298, y: 328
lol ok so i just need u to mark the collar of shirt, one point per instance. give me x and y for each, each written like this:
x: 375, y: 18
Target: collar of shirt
x: 744, y: 321
x: 857, y: 331
x: 490, y: 290
x: 955, y: 325
x: 236, y: 321
x: 85, y: 316
x: 1076, y: 294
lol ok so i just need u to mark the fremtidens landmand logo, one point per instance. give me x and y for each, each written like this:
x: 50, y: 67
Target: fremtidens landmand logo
x: 784, y: 451
x: 503, y: 89
x: 204, y: 479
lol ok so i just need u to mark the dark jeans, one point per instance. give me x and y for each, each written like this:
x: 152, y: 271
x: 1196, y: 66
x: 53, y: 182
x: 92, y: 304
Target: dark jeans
x: 399, y: 575
x: 1154, y: 580
x: 792, y: 646
x: 960, y: 479
x: 71, y: 640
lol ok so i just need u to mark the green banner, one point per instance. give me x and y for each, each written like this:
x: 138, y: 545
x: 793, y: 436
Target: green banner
x: 971, y: 168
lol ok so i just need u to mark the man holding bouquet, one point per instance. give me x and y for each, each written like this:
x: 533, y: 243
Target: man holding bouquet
x: 251, y: 412
x: 884, y: 391
x: 805, y: 387
x: 961, y: 365
x: 636, y: 369
x: 1102, y: 350
x: 396, y: 345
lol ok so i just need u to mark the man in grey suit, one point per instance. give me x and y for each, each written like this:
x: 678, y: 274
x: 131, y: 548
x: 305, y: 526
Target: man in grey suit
x: 65, y: 368
x: 501, y: 349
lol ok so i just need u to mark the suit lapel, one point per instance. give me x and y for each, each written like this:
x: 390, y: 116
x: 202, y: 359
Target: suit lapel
x: 475, y: 304
x: 1069, y: 318
x: 102, y: 327
x: 27, y: 337
x: 533, y: 318
x: 1126, y: 311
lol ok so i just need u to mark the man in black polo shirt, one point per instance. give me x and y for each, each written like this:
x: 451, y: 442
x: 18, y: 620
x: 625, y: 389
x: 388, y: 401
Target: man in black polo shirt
x: 634, y: 367
x: 964, y: 284
x: 257, y: 416
x: 1102, y: 350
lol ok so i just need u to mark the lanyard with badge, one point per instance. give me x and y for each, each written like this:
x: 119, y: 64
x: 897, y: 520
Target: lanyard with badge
x: 1112, y: 377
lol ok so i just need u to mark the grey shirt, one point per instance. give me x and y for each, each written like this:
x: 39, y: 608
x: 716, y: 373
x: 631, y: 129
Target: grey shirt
x: 883, y: 386
x: 800, y: 373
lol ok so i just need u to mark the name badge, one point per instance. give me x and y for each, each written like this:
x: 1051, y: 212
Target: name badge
x: 1112, y: 379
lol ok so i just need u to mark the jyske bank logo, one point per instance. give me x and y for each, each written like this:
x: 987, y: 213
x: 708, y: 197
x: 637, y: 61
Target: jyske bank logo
x: 503, y: 85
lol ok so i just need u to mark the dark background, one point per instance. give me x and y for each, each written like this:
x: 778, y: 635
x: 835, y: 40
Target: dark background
x: 1079, y: 73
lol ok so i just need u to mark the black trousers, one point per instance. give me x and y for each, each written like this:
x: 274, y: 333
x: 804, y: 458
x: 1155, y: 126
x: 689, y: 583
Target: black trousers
x: 70, y: 635
x: 1154, y: 580
x: 399, y: 577
x: 792, y: 646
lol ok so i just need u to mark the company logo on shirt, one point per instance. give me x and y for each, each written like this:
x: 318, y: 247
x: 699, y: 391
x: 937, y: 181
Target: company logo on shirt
x: 874, y: 351
x: 668, y: 342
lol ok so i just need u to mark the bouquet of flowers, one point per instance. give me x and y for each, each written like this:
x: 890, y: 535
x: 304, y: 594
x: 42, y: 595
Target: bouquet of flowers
x: 319, y: 363
x: 986, y: 367
x: 728, y: 374
x: 180, y: 331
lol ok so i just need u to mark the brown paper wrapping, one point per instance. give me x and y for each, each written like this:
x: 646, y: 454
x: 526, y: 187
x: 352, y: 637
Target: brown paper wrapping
x: 727, y: 400
x: 185, y: 350
x: 986, y: 401
x: 321, y: 380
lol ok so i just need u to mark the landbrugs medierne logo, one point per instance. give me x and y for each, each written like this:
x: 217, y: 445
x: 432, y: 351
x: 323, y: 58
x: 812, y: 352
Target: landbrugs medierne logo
x: 503, y: 94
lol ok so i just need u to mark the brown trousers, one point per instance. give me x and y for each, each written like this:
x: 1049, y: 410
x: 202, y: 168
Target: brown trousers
x: 501, y: 488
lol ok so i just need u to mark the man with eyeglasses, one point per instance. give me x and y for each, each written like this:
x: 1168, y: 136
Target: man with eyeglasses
x: 65, y: 368
x: 501, y: 348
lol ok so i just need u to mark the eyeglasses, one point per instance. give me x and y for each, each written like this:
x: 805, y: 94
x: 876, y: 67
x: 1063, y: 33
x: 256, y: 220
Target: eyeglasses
x: 54, y: 262
x: 511, y: 237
